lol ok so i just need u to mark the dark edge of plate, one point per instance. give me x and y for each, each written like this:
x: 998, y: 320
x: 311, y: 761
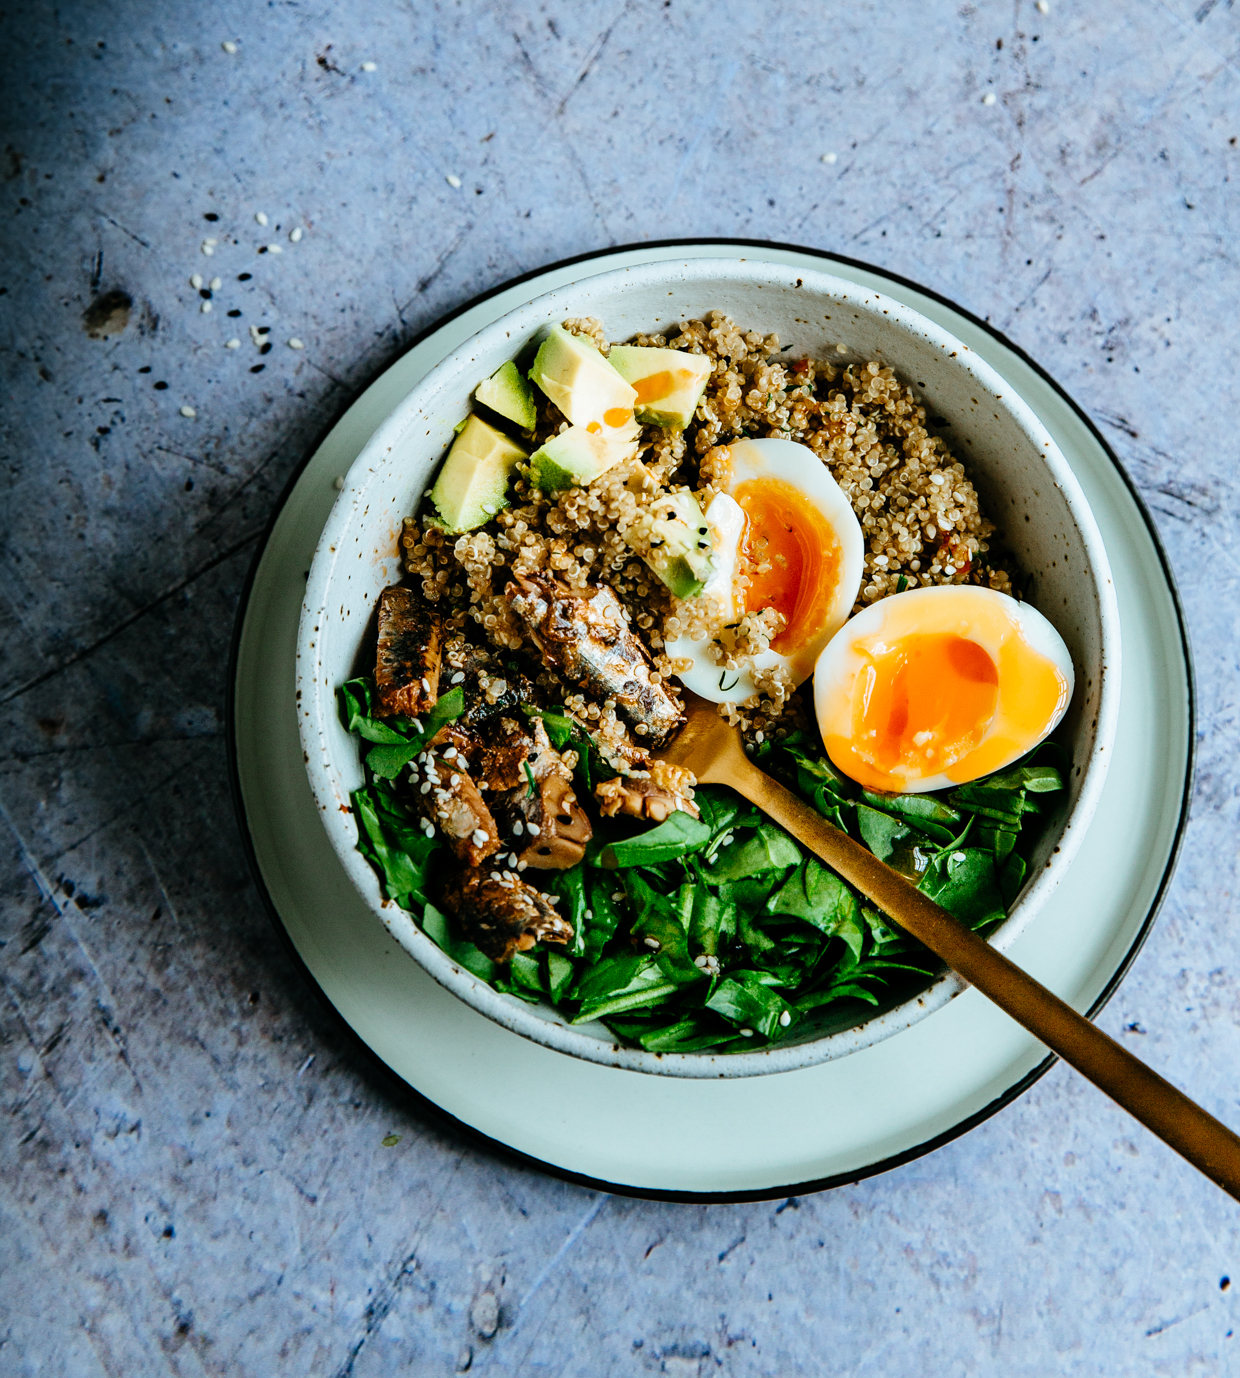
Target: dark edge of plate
x: 397, y: 1083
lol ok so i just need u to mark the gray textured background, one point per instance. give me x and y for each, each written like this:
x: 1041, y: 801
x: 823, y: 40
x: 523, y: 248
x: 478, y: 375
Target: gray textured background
x: 192, y: 1179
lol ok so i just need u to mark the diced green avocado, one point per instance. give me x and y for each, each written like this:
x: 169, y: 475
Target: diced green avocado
x: 669, y: 382
x: 581, y: 382
x: 507, y: 393
x: 576, y: 457
x: 473, y: 484
x: 682, y: 552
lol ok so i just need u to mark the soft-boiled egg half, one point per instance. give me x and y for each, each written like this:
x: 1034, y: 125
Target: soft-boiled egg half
x: 939, y: 686
x: 783, y: 521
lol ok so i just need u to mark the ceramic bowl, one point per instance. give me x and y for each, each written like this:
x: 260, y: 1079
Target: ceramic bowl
x: 1024, y: 483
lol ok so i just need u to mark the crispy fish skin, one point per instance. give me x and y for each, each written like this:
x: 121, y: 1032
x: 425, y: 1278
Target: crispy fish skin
x: 445, y: 793
x: 587, y: 639
x: 408, y: 660
x: 489, y: 688
x: 499, y: 913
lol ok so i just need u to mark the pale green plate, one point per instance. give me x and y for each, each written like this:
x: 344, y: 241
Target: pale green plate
x: 758, y: 1136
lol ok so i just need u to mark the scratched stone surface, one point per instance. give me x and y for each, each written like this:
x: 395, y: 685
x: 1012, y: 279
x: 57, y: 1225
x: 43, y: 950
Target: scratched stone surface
x: 193, y: 1174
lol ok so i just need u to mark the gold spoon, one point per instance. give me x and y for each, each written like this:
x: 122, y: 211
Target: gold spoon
x: 712, y: 750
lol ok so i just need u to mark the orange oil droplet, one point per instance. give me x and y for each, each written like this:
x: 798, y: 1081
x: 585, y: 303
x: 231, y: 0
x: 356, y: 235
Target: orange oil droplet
x: 617, y: 416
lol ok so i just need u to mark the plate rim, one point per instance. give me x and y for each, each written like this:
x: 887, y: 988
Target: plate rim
x: 477, y: 1137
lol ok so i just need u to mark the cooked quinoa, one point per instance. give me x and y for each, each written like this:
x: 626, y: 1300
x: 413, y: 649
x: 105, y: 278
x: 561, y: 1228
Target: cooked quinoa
x: 918, y: 511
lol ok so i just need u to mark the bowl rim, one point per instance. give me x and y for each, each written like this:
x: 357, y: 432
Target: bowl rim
x: 317, y: 700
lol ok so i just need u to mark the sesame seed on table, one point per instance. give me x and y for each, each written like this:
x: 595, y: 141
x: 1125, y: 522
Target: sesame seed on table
x: 199, y: 1174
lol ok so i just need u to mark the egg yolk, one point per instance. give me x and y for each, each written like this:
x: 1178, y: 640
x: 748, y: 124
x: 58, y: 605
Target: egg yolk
x: 656, y: 386
x: 930, y: 703
x: 791, y: 556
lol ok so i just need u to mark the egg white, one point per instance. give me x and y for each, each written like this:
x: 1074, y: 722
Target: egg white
x: 981, y: 615
x: 799, y: 466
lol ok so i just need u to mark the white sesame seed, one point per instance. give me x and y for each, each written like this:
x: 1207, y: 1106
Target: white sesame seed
x: 189, y: 411
x: 495, y: 875
x: 215, y: 284
x: 370, y: 66
x: 1042, y: 7
x: 479, y: 836
x: 295, y: 343
x: 229, y: 46
x: 785, y: 1019
x: 195, y: 281
x: 518, y: 828
x: 699, y: 961
x: 295, y: 234
x: 552, y: 899
x: 207, y: 249
x: 617, y: 895
x: 488, y: 509
x: 512, y: 861
x: 452, y: 181
x: 338, y: 483
x: 535, y: 830
x: 261, y: 217
x: 415, y: 723
x: 652, y: 943
x: 454, y: 780
x: 426, y: 684
x: 205, y: 308
x: 521, y: 865
x: 988, y: 98
x: 274, y: 249
x: 232, y: 344
x: 829, y: 157
x: 841, y: 349
x: 589, y: 913
x: 459, y: 677
x: 746, y: 1033
x: 426, y: 788
x: 450, y: 754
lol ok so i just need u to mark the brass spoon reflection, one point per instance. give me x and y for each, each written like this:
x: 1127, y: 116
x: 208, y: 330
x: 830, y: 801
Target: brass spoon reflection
x: 713, y: 752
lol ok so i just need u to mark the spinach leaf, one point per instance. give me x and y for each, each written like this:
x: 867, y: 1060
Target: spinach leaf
x: 818, y: 896
x: 713, y: 918
x: 689, y: 1035
x: 1012, y: 878
x: 965, y: 884
x: 656, y: 917
x: 1036, y: 779
x: 389, y: 837
x: 356, y: 699
x: 745, y: 1000
x: 880, y: 831
x: 527, y: 971
x: 933, y: 817
x: 723, y: 809
x: 680, y: 834
x: 560, y: 975
x: 571, y: 884
x: 769, y: 848
x: 387, y: 761
x: 435, y: 925
x: 622, y: 983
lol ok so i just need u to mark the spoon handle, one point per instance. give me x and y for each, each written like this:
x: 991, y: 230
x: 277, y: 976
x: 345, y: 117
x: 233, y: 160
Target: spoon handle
x: 1209, y: 1145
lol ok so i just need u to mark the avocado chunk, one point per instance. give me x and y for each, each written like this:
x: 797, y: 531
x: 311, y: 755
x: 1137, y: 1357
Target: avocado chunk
x: 473, y: 484
x: 669, y: 382
x: 507, y: 393
x: 578, y: 456
x: 681, y: 546
x: 584, y: 386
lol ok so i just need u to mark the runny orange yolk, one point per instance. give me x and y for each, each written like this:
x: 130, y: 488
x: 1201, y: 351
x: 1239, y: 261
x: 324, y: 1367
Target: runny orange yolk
x: 656, y: 386
x: 928, y: 703
x: 925, y: 702
x: 614, y: 416
x: 791, y: 556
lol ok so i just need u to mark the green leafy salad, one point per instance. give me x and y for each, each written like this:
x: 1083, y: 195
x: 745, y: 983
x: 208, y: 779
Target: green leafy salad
x: 717, y: 932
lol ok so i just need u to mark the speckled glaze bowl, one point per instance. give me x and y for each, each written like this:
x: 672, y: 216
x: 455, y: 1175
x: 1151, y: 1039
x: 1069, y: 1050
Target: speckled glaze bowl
x: 1024, y: 483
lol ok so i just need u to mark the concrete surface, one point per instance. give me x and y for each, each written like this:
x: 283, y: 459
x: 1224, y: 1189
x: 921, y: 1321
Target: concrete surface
x: 193, y: 1177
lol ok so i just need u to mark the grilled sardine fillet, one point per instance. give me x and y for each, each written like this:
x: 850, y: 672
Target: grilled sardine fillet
x: 407, y: 666
x: 489, y: 687
x: 445, y: 793
x: 499, y: 913
x: 533, y: 800
x: 586, y: 638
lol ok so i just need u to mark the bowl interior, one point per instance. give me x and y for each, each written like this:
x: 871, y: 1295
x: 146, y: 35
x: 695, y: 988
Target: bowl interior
x: 1024, y: 484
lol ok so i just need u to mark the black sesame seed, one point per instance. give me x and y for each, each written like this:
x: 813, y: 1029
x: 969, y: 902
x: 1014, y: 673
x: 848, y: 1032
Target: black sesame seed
x: 146, y: 368
x: 258, y: 368
x: 264, y: 330
x: 234, y: 312
x: 205, y: 293
x: 262, y: 249
x: 210, y: 215
x: 266, y: 349
x: 244, y: 277
x: 159, y: 387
